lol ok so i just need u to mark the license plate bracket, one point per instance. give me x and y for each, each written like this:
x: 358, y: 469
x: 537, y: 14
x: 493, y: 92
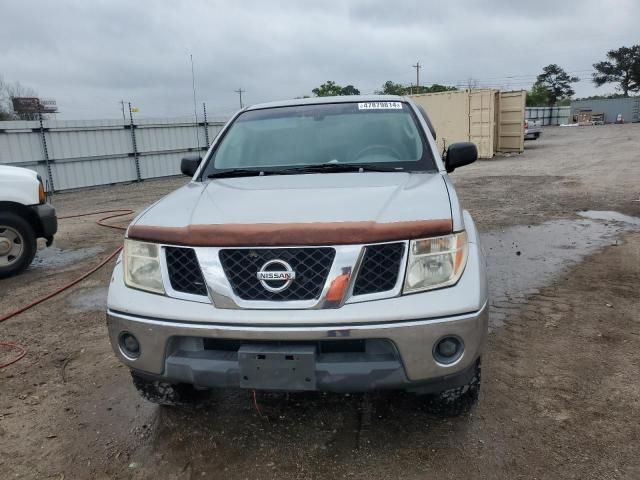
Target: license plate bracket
x: 277, y: 367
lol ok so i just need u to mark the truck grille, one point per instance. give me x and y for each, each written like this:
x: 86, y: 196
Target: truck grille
x: 184, y: 271
x: 380, y: 268
x: 311, y: 266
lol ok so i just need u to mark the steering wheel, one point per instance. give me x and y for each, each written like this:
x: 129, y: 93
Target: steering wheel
x: 377, y: 147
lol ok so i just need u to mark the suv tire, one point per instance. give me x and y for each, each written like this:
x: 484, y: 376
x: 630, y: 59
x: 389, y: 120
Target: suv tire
x: 456, y: 401
x: 162, y: 393
x: 17, y: 231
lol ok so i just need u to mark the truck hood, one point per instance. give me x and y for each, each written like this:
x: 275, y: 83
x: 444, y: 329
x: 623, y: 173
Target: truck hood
x: 19, y: 185
x: 316, y: 198
x: 8, y: 173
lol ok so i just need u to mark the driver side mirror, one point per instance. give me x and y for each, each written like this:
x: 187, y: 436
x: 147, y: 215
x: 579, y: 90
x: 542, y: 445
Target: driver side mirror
x: 189, y: 165
x: 459, y: 155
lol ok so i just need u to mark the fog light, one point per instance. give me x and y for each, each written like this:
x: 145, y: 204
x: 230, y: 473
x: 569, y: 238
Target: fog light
x: 129, y: 345
x: 448, y: 350
x: 448, y: 347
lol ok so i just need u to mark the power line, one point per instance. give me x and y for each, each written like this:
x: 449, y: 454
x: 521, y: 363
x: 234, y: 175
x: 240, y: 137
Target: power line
x: 532, y: 75
x: 515, y: 78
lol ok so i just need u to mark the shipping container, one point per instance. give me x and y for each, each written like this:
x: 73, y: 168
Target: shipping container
x: 491, y: 119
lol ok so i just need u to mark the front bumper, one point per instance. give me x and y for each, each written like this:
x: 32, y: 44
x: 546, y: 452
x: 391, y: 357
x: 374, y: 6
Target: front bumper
x: 48, y: 221
x: 174, y: 351
x: 173, y: 335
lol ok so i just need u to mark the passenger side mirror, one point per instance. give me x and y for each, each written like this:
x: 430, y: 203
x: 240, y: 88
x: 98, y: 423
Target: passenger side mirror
x: 459, y: 155
x: 189, y: 165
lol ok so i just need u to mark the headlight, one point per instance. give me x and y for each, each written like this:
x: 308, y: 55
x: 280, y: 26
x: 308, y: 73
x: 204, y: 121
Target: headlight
x: 42, y: 195
x: 142, y: 266
x: 435, y: 262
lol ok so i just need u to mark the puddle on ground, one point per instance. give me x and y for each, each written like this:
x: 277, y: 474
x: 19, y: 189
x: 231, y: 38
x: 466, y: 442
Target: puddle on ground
x: 88, y: 300
x: 610, y: 217
x: 57, y: 257
x: 523, y: 259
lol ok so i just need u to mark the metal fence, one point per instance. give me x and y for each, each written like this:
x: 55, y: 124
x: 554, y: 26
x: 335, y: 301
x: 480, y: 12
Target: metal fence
x: 548, y: 115
x: 72, y: 154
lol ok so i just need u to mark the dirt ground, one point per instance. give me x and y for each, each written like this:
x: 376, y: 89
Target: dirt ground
x: 561, y: 377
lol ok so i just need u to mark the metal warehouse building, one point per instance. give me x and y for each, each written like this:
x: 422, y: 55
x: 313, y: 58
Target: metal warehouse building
x: 628, y: 107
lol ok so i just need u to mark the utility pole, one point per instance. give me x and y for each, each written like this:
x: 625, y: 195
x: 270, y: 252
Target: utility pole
x: 124, y: 120
x: 240, y: 91
x: 195, y: 109
x: 206, y: 125
x: 46, y: 150
x: 417, y: 66
x: 136, y: 155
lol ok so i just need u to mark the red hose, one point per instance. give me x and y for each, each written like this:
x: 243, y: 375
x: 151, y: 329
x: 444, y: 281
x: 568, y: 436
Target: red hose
x: 118, y: 213
x: 13, y: 346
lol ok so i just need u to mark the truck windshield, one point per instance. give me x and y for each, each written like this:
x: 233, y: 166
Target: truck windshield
x: 383, y: 135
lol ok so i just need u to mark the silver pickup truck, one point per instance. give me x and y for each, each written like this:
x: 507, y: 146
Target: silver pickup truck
x: 320, y: 245
x: 532, y: 129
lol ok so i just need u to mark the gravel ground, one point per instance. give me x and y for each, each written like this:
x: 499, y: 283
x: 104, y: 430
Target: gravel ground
x: 560, y: 396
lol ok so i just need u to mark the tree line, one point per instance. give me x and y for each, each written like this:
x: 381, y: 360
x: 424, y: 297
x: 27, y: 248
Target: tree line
x: 552, y: 87
x: 622, y: 66
x: 331, y: 89
x: 8, y: 90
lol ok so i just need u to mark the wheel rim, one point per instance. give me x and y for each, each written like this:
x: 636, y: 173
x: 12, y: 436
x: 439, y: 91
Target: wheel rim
x: 11, y: 245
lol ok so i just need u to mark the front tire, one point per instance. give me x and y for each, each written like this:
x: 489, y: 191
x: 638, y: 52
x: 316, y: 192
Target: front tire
x: 163, y: 393
x: 456, y: 401
x: 18, y: 244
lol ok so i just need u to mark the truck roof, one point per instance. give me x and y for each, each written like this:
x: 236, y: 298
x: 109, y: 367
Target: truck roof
x: 322, y: 100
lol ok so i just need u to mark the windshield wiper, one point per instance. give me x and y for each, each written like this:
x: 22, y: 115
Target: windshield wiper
x: 236, y: 172
x: 321, y: 168
x: 338, y: 167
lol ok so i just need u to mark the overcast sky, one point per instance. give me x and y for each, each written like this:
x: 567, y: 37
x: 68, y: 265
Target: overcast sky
x: 89, y: 54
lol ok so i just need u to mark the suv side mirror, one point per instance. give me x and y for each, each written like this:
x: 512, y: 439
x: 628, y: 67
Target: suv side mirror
x: 189, y: 165
x: 460, y: 154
